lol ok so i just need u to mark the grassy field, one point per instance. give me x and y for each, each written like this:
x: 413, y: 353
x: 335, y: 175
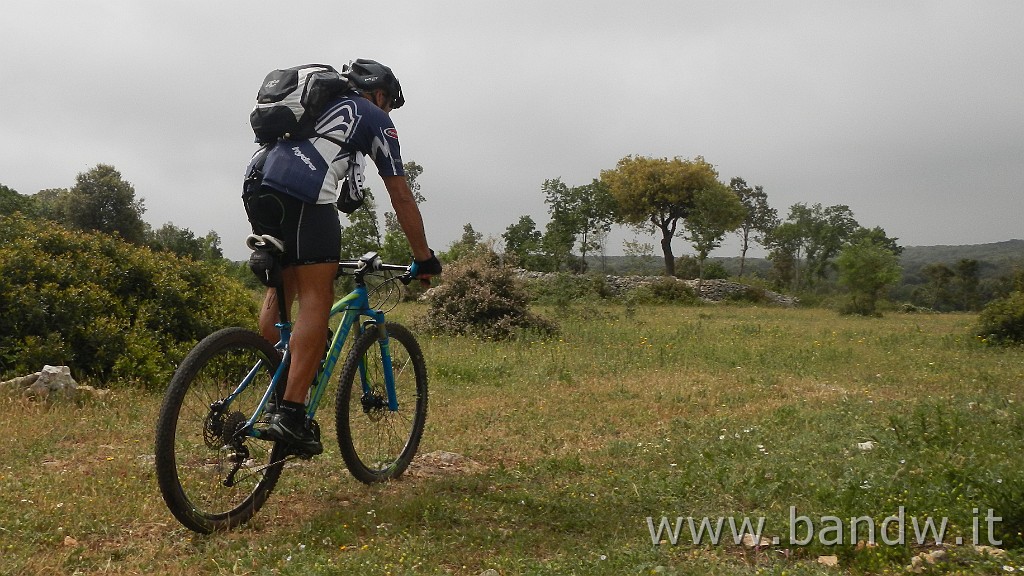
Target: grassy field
x: 573, y: 450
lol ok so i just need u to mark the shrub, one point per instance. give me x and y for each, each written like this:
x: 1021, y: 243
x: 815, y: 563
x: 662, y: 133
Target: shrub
x: 108, y: 309
x: 562, y: 289
x: 688, y: 268
x: 750, y: 295
x: 481, y: 297
x: 664, y: 291
x: 1002, y: 321
x: 867, y: 270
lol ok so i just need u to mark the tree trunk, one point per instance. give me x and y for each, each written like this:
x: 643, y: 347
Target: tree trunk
x: 583, y: 253
x: 670, y: 260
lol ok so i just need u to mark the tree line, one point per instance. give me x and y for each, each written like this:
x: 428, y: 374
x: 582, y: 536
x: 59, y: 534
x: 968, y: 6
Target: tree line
x: 101, y: 200
x: 87, y: 282
x: 685, y: 198
x: 814, y: 248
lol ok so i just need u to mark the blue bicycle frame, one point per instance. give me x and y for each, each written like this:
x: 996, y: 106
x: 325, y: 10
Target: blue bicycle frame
x: 352, y: 307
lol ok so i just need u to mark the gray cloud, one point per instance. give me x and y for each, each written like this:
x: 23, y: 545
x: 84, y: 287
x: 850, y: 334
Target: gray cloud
x: 910, y: 113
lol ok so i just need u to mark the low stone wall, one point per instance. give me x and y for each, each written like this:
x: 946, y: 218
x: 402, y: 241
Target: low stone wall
x: 709, y: 290
x: 717, y: 290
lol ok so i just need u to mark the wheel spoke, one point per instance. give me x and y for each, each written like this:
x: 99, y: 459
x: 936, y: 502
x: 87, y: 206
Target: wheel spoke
x: 376, y: 442
x: 213, y: 475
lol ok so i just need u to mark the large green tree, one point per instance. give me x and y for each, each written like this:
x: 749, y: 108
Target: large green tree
x: 184, y: 242
x: 759, y: 219
x: 586, y: 212
x: 523, y: 243
x: 412, y: 173
x: 11, y: 201
x: 658, y: 193
x: 950, y: 288
x: 829, y: 229
x: 785, y: 245
x: 560, y: 231
x: 716, y: 212
x: 968, y: 272
x: 468, y: 243
x: 556, y: 244
x: 395, y: 246
x: 867, y: 268
x: 51, y: 204
x: 818, y: 233
x: 937, y: 292
x: 103, y: 201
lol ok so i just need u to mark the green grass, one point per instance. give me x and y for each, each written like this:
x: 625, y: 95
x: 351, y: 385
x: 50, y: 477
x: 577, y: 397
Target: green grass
x: 713, y: 411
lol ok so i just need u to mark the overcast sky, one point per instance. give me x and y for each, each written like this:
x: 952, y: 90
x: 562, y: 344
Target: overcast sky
x: 909, y: 112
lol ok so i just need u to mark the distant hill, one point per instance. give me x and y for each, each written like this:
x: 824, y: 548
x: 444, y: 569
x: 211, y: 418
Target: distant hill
x: 997, y: 259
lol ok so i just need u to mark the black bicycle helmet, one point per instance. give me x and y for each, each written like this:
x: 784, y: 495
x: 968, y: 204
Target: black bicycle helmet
x: 366, y: 75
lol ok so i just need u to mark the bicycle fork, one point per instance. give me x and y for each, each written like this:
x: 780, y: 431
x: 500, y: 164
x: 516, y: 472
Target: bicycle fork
x: 389, y: 374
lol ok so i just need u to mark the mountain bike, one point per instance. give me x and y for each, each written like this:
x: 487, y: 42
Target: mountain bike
x: 214, y: 470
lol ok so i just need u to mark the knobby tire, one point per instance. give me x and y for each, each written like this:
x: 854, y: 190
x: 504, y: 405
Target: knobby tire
x: 191, y: 459
x: 378, y: 444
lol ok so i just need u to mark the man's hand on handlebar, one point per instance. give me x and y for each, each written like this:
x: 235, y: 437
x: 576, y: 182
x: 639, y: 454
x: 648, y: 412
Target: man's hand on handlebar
x: 424, y: 269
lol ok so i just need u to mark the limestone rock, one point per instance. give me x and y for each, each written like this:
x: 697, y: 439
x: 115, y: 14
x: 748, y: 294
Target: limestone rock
x: 52, y: 380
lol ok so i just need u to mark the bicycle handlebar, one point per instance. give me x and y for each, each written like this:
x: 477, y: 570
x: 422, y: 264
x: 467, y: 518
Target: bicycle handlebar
x: 371, y: 262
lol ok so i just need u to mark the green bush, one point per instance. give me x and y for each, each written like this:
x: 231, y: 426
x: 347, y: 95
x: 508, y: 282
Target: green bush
x: 481, y: 297
x: 688, y: 268
x: 1002, y: 321
x: 109, y: 310
x: 750, y: 295
x: 563, y: 288
x: 664, y: 291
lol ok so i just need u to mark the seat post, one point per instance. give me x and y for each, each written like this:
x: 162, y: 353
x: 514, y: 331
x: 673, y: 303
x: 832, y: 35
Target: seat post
x: 282, y: 304
x: 265, y: 263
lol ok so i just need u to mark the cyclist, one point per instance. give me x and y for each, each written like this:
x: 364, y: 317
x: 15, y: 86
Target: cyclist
x: 305, y: 182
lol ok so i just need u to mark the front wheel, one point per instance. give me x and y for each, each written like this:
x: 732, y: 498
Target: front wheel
x: 376, y: 442
x: 212, y: 474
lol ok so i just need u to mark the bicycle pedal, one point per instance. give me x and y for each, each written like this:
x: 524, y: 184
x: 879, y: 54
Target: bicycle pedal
x: 302, y: 454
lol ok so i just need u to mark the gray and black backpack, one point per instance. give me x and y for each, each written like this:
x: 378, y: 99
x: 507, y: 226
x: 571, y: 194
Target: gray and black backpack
x: 290, y: 101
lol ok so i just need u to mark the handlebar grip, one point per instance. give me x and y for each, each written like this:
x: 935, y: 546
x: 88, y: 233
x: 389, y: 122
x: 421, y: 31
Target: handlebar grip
x: 410, y: 273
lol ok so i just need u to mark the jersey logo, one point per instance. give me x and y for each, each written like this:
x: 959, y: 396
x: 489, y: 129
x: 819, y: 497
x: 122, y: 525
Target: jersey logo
x: 339, y: 122
x: 391, y: 133
x: 305, y: 159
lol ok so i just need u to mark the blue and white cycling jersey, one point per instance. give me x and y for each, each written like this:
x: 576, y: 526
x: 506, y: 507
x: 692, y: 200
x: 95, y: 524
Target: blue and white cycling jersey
x: 312, y: 169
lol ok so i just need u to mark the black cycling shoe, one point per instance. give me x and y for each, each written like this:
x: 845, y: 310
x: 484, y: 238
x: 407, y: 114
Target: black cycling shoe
x: 268, y: 413
x: 293, y: 431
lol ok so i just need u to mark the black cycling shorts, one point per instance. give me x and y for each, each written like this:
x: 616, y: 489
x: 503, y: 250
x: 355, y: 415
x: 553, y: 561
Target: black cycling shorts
x: 311, y: 232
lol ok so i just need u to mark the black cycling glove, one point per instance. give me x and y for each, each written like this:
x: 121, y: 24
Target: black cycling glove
x: 431, y: 266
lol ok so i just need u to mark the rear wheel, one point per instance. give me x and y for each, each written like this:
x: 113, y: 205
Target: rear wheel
x: 212, y: 474
x: 376, y: 442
